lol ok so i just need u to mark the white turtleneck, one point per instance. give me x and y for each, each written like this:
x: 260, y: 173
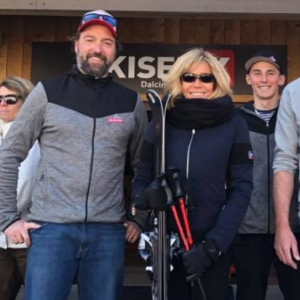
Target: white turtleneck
x: 4, y: 127
x: 27, y: 172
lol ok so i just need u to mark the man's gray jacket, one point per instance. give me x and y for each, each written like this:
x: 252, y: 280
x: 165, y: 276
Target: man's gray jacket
x: 260, y: 216
x: 86, y: 127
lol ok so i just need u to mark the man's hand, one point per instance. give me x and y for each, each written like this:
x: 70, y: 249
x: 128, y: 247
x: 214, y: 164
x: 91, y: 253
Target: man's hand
x: 285, y: 242
x: 133, y: 231
x: 286, y: 247
x: 17, y: 232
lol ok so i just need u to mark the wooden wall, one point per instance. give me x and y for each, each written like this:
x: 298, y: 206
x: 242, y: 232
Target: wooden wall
x: 20, y: 31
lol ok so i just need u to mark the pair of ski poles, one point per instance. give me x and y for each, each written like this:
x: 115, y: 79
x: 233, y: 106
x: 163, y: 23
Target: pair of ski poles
x: 184, y: 232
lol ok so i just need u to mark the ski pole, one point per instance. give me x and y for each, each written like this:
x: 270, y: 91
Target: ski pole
x: 187, y: 241
x: 179, y: 193
x: 201, y: 288
x: 186, y: 222
x: 180, y: 229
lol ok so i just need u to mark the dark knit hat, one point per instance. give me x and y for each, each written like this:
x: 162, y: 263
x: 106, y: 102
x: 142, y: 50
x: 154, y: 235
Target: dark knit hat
x: 267, y: 56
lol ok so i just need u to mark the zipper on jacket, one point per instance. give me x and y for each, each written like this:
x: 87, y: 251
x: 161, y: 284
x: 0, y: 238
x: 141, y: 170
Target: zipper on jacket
x: 91, y: 172
x: 269, y: 181
x: 188, y: 158
x: 269, y: 175
x: 267, y: 124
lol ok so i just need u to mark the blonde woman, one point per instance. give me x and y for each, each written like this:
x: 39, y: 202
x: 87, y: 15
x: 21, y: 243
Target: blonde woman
x: 13, y: 93
x: 209, y: 143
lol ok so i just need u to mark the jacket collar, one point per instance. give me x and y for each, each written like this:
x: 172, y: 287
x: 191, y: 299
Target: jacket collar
x: 77, y: 73
x: 249, y: 106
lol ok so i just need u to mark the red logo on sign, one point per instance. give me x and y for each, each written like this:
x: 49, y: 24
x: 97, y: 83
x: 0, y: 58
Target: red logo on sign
x: 227, y: 59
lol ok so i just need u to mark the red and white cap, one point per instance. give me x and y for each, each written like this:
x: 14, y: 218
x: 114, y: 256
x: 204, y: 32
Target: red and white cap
x: 100, y: 17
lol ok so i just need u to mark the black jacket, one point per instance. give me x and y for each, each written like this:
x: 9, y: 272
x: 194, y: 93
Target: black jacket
x: 219, y: 163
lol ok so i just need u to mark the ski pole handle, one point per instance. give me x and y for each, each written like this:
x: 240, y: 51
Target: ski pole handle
x: 186, y: 221
x: 182, y: 235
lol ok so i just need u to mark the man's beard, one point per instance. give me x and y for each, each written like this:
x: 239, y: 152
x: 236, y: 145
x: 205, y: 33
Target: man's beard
x: 99, y: 70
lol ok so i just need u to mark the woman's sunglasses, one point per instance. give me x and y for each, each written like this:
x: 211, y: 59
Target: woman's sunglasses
x: 190, y: 77
x: 10, y: 99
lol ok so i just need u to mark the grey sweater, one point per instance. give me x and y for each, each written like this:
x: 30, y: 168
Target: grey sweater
x: 85, y: 129
x: 287, y: 133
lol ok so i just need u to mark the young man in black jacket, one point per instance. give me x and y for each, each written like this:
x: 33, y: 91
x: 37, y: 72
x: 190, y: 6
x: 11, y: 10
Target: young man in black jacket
x: 254, y: 248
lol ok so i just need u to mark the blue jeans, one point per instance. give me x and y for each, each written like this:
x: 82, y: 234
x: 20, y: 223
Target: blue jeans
x: 94, y: 252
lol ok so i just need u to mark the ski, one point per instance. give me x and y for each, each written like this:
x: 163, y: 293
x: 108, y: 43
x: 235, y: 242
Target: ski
x: 159, y: 239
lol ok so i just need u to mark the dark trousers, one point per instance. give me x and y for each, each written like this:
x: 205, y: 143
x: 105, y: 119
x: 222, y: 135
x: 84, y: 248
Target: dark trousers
x: 253, y: 255
x: 214, y: 282
x: 12, y: 272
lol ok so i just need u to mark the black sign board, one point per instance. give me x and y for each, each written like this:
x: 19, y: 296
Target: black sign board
x: 142, y: 66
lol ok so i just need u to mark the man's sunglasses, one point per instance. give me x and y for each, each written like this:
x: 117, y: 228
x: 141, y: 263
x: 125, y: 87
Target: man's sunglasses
x: 10, y: 99
x: 108, y: 19
x: 190, y: 77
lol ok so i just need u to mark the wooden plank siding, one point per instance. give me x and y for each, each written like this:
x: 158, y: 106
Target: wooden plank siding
x: 293, y: 43
x: 3, y: 47
x: 18, y: 32
x: 15, y: 43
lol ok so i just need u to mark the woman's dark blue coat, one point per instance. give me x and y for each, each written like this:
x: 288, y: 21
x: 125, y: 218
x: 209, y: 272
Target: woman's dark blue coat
x: 219, y: 162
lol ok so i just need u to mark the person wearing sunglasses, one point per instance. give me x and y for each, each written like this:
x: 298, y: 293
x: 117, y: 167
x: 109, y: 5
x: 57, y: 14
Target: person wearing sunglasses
x: 87, y: 125
x: 209, y: 143
x: 13, y: 92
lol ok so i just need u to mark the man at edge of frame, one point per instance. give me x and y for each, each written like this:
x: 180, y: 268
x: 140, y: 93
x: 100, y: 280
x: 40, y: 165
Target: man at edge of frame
x: 254, y: 252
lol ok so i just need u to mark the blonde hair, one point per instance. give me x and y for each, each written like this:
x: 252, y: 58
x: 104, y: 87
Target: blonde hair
x: 19, y: 85
x: 185, y: 62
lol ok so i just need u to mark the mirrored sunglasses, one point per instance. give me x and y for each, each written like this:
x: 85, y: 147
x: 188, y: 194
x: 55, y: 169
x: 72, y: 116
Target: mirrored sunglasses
x: 190, y: 77
x: 10, y: 99
x: 108, y: 19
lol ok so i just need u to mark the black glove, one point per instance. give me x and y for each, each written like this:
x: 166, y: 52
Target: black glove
x: 156, y: 196
x: 140, y: 217
x: 200, y: 258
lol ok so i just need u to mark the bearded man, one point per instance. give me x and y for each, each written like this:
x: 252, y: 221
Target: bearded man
x: 86, y: 125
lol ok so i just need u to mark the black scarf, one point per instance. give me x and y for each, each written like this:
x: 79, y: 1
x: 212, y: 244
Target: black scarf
x: 200, y: 113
